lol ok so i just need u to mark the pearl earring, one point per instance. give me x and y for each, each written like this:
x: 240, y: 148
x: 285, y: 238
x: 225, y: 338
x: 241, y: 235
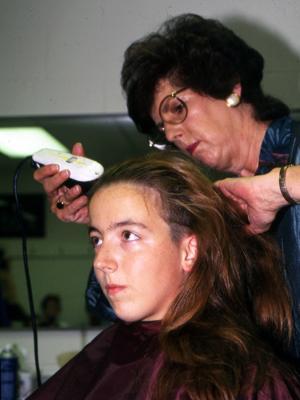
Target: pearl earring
x: 233, y: 100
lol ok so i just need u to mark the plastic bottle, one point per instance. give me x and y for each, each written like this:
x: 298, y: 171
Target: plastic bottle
x: 8, y: 374
x: 25, y: 379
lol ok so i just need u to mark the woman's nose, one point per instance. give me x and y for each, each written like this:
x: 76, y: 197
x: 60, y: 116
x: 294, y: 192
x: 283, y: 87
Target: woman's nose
x: 104, y: 261
x: 172, y: 132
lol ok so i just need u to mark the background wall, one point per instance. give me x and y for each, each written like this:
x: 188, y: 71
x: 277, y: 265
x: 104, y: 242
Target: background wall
x: 65, y: 56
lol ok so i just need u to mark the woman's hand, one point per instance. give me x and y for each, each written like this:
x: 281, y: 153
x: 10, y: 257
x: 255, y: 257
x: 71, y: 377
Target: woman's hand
x: 75, y: 204
x: 258, y: 196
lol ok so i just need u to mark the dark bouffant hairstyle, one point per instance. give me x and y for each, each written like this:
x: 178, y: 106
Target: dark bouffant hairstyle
x: 198, y: 53
x: 234, y: 304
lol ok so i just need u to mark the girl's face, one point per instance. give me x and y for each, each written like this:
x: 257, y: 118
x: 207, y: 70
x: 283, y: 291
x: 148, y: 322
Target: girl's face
x: 139, y: 267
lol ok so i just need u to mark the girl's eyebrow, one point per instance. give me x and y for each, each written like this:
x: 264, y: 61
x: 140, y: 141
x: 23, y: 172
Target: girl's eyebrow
x: 91, y: 229
x: 128, y: 222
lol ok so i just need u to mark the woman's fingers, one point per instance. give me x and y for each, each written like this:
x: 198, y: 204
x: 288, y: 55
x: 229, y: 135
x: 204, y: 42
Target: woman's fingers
x: 50, y: 177
x: 78, y: 149
x: 68, y: 204
x: 74, y: 211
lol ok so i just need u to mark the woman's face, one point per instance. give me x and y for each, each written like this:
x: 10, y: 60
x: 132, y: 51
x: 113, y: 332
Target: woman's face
x: 139, y: 267
x: 211, y: 131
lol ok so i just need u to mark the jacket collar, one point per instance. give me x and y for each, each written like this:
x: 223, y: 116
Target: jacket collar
x: 276, y: 145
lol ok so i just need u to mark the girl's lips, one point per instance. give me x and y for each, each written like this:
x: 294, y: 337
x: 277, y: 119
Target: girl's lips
x: 192, y: 147
x: 113, y: 289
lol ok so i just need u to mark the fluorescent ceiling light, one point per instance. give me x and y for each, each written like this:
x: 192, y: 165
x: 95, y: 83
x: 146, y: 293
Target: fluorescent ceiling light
x: 24, y: 141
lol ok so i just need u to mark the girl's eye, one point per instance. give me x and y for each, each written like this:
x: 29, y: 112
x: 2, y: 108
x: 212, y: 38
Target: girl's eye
x: 129, y: 236
x: 96, y: 241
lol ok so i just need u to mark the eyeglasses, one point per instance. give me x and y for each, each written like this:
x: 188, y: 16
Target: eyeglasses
x: 172, y: 110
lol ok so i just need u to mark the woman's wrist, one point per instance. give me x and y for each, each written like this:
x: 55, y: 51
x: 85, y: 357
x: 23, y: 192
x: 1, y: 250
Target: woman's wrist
x: 283, y: 185
x: 285, y: 191
x: 293, y: 182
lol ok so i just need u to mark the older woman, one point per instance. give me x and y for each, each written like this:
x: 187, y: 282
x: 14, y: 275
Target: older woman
x: 196, y: 85
x: 203, y: 308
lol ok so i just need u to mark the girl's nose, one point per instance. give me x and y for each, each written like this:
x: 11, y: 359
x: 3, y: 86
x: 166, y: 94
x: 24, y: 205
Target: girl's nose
x: 104, y: 261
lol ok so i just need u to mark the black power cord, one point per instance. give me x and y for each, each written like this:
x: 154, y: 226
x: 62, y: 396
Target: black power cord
x: 26, y: 267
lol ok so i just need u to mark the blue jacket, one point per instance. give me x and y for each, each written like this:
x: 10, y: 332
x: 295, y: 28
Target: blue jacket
x: 287, y: 231
x: 281, y: 145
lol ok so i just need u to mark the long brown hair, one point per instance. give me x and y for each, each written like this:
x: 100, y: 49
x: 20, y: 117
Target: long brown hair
x: 234, y: 307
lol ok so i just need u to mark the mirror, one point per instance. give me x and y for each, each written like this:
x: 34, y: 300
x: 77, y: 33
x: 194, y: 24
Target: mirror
x: 60, y: 256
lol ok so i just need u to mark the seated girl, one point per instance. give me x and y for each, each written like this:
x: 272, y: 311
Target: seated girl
x: 203, y: 308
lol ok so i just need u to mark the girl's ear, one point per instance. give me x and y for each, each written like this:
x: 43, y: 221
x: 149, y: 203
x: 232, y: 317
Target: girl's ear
x: 189, y: 252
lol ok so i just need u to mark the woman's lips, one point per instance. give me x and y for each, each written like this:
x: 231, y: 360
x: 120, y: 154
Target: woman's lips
x: 192, y: 147
x: 114, y: 289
